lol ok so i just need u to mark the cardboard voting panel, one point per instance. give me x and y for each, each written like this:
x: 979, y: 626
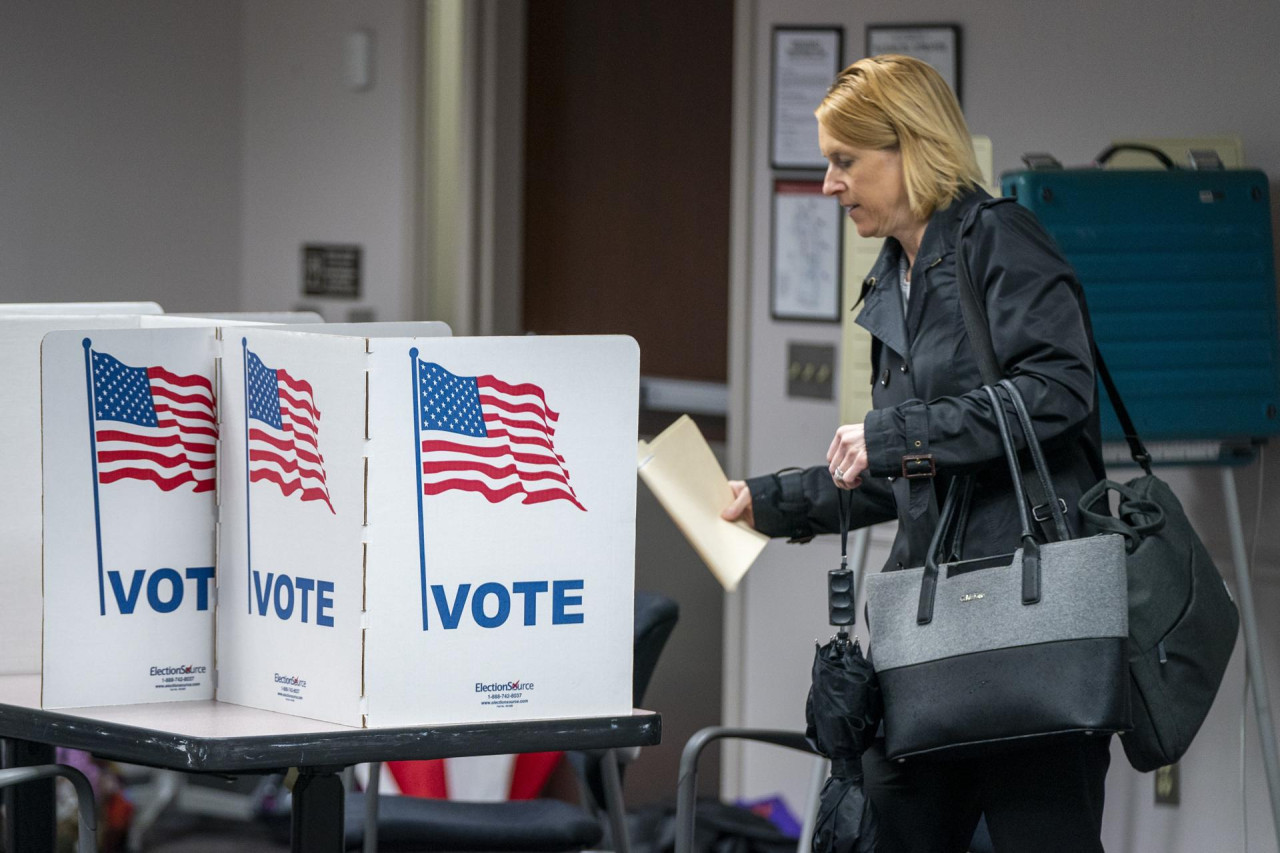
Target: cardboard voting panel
x: 380, y: 329
x: 79, y: 308
x: 501, y: 545
x: 367, y: 529
x: 20, y: 507
x: 294, y: 518
x: 291, y: 561
x: 277, y: 317
x: 129, y: 455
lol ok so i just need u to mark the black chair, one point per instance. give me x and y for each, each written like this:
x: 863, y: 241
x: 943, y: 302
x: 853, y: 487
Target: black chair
x: 88, y: 840
x: 687, y: 787
x: 544, y: 825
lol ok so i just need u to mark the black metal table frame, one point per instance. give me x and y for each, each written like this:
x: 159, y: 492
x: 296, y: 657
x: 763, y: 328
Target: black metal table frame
x: 31, y: 736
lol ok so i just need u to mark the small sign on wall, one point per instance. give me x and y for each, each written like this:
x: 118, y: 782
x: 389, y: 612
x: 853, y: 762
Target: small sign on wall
x: 331, y: 270
x: 805, y: 61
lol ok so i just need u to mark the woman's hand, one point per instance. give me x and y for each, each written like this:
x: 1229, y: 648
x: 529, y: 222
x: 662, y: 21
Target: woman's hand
x: 847, y: 456
x: 740, y: 509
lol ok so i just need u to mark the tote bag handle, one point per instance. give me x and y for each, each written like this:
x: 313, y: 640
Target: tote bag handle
x: 1057, y: 507
x: 1030, y: 547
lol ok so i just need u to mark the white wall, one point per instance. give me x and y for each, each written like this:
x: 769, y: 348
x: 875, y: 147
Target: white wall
x: 120, y: 152
x: 183, y: 151
x: 1064, y: 78
x: 325, y: 164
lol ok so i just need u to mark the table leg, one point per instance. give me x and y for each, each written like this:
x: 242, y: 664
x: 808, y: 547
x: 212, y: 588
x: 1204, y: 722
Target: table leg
x: 29, y: 807
x: 317, y: 821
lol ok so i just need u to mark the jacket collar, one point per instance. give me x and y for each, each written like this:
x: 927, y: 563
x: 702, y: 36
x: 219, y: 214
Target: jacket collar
x: 882, y: 313
x: 940, y: 234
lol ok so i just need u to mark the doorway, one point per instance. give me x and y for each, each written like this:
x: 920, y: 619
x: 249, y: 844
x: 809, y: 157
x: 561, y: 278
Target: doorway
x: 626, y: 231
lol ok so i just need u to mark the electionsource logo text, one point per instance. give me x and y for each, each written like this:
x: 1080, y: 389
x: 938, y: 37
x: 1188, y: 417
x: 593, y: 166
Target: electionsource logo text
x: 503, y: 686
x: 180, y: 669
x: 292, y: 680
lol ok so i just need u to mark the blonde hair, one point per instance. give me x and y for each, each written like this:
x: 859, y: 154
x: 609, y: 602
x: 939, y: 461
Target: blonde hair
x: 893, y: 101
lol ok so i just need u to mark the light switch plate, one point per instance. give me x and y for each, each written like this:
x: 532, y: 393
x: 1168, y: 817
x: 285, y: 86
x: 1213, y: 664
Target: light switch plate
x: 810, y: 370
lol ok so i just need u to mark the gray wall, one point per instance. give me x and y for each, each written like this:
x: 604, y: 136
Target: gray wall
x: 183, y: 151
x: 120, y: 152
x: 322, y: 163
x: 1064, y: 78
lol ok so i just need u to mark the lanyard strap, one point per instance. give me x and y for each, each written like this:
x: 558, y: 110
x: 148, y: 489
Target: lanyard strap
x: 841, y: 608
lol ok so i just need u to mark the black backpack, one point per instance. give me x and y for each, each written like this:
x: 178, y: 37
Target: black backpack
x: 1182, y: 621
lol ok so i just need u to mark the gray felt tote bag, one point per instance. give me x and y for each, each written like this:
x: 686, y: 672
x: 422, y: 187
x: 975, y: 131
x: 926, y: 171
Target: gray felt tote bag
x: 981, y: 654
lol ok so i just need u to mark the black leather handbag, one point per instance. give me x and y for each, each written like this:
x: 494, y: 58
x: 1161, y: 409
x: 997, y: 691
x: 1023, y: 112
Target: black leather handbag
x: 984, y: 653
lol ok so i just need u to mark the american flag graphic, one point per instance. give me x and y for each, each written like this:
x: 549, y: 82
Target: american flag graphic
x: 153, y: 424
x: 284, y: 432
x: 480, y: 434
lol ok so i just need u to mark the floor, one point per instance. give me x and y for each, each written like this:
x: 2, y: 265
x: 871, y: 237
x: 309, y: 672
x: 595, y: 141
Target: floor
x: 197, y: 830
x: 185, y: 834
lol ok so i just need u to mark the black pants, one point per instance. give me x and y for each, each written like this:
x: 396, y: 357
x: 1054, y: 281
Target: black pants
x: 1037, y: 800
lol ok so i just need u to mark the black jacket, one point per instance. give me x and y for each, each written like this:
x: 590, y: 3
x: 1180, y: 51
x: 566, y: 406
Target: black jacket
x: 927, y: 395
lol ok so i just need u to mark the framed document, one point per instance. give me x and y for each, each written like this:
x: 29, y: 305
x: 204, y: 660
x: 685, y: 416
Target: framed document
x: 805, y: 284
x: 805, y: 63
x: 936, y: 44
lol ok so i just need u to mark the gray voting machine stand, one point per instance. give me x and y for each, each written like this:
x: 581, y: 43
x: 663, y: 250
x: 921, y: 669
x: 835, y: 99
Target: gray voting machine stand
x: 1178, y: 271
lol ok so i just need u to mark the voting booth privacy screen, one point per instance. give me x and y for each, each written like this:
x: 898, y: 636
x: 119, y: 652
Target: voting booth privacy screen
x: 506, y: 493
x: 367, y: 530
x: 21, y: 331
x: 1179, y: 272
x: 22, y: 328
x: 130, y: 455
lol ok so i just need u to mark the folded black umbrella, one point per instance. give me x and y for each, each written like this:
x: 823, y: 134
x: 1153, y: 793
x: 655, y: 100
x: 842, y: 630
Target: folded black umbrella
x: 842, y: 713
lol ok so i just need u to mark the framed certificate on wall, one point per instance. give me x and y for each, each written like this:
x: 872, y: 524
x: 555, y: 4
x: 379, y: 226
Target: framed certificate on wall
x: 805, y: 63
x: 936, y: 44
x: 807, y: 230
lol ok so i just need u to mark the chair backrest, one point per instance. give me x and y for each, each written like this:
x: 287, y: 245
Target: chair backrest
x: 656, y: 617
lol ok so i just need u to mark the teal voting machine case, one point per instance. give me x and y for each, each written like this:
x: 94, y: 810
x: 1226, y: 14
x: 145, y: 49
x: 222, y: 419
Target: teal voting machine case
x: 1179, y: 275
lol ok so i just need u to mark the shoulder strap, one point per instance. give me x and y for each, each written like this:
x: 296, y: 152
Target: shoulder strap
x: 975, y: 322
x: 973, y: 309
x: 971, y: 303
x: 1136, y: 448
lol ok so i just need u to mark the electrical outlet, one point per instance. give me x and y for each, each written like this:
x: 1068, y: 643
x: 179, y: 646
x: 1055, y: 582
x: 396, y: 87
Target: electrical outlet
x: 1168, y: 786
x: 810, y: 370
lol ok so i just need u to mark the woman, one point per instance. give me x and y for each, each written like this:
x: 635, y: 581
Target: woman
x: 900, y: 161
